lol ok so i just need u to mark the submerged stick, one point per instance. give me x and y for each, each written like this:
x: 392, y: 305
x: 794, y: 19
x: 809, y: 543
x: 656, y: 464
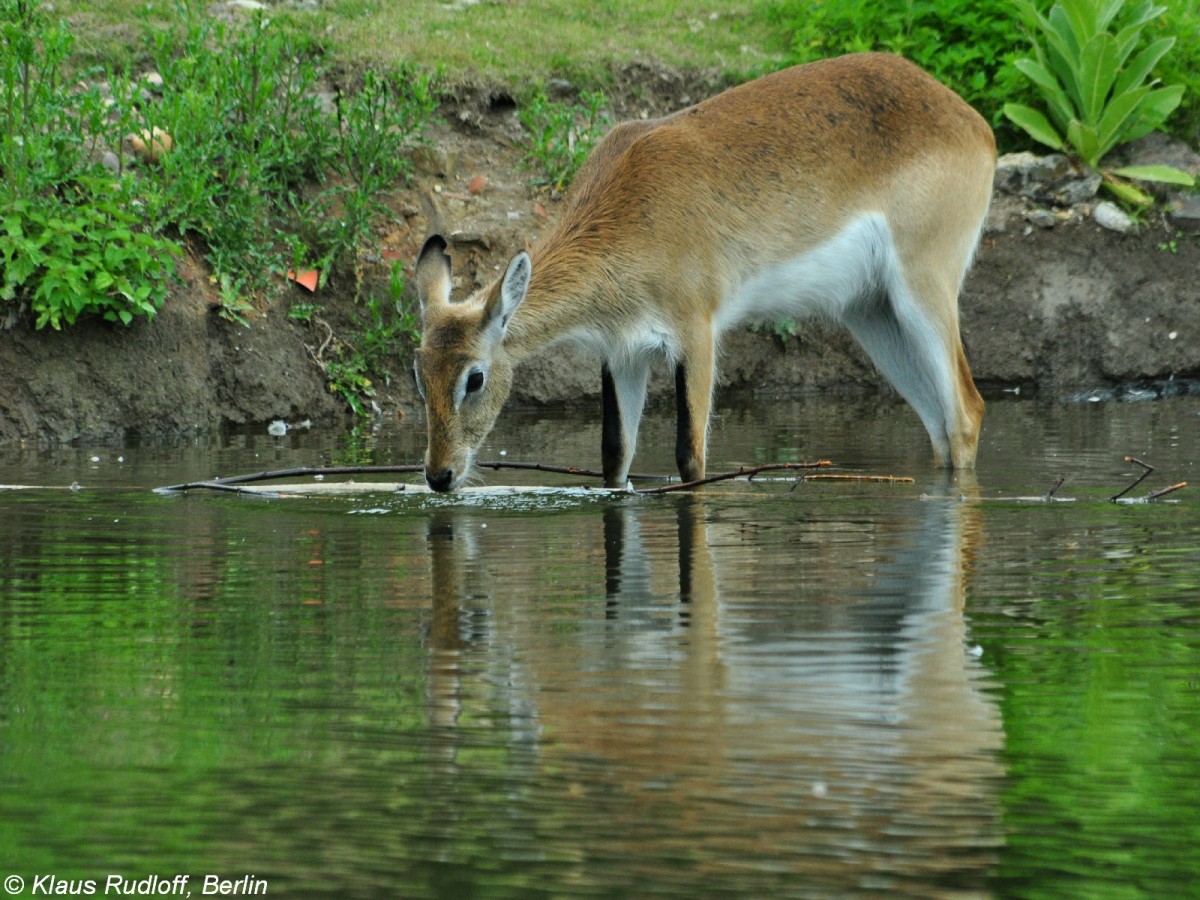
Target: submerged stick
x: 230, y: 482
x: 744, y: 472
x: 1153, y: 495
x: 234, y: 483
x: 1054, y: 488
x: 218, y: 484
x: 841, y: 476
x: 1146, y: 470
x: 877, y: 479
x: 561, y: 470
x: 1161, y: 492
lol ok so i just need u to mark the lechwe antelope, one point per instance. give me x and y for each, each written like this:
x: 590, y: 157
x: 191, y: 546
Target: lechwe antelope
x: 853, y: 187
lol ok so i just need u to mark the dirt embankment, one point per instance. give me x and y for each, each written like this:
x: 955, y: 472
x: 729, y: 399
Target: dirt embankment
x: 1057, y: 307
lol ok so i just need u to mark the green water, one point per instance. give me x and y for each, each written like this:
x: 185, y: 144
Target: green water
x: 931, y: 689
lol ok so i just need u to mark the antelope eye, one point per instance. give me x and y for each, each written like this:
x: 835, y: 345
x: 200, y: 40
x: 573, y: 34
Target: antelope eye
x: 474, y: 382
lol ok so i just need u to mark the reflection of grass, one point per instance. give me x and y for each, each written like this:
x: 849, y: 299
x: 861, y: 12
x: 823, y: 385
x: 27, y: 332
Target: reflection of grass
x: 151, y: 652
x: 1097, y: 668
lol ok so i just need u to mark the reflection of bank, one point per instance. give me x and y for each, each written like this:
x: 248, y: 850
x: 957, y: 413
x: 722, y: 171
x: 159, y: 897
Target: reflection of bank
x: 708, y: 697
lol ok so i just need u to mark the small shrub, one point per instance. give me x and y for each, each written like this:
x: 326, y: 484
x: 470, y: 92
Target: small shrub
x: 385, y: 325
x: 71, y: 242
x: 40, y: 134
x: 560, y: 137
x: 1182, y: 64
x: 376, y: 128
x: 247, y: 130
x: 968, y: 47
x: 80, y: 259
x: 259, y: 177
x: 252, y: 142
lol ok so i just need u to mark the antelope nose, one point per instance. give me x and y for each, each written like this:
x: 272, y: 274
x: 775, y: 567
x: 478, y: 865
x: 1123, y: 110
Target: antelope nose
x: 440, y: 481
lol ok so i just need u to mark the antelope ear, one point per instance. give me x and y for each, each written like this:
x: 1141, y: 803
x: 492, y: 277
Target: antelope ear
x: 513, y: 288
x: 433, y: 274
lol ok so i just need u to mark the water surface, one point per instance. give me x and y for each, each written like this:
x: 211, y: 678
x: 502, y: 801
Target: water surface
x: 932, y: 689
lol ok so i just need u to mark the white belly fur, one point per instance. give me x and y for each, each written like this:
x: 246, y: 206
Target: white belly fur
x: 827, y: 280
x: 855, y: 278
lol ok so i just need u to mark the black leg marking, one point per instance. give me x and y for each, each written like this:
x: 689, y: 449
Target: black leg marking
x: 684, y: 451
x: 687, y: 518
x: 612, y: 445
x: 614, y: 556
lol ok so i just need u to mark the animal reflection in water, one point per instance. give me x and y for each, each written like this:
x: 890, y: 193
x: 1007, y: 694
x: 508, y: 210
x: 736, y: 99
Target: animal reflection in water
x: 714, y: 679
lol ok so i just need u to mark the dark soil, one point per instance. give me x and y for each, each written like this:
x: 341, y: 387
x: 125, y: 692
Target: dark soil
x: 1060, y: 310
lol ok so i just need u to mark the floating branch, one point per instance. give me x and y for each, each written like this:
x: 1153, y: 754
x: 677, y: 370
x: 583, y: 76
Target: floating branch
x: 885, y: 479
x: 1054, y: 488
x: 1161, y: 492
x: 878, y: 479
x: 228, y: 483
x: 744, y: 472
x: 1049, y: 496
x: 561, y: 470
x: 1153, y: 495
x: 1146, y: 470
x: 233, y: 483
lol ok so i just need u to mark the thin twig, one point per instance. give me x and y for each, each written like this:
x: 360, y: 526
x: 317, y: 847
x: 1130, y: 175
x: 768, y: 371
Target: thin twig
x: 232, y: 482
x: 560, y: 470
x: 299, y: 472
x: 744, y: 472
x: 1154, y: 495
x: 1147, y: 469
x: 319, y: 355
x: 884, y: 479
x: 240, y: 489
x: 879, y: 479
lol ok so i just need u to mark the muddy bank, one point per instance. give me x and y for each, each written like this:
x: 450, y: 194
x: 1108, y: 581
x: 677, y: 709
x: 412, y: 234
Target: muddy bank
x: 189, y: 371
x: 1058, y: 306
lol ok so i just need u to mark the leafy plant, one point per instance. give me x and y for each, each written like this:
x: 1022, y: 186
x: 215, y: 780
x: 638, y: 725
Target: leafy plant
x: 386, y: 325
x: 560, y: 137
x: 303, y: 312
x: 1098, y: 92
x: 966, y: 46
x: 376, y: 128
x: 87, y: 258
x: 1182, y: 65
x: 70, y: 245
x: 39, y: 132
x: 233, y: 305
x: 246, y: 124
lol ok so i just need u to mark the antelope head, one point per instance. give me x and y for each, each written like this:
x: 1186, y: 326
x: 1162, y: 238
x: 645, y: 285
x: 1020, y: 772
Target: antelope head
x: 464, y: 373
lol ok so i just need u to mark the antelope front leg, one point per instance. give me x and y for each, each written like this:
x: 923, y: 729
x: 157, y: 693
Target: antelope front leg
x: 623, y: 395
x: 693, y: 403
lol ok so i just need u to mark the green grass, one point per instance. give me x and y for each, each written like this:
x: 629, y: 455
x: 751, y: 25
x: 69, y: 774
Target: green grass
x: 258, y: 178
x: 518, y: 45
x: 566, y: 38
